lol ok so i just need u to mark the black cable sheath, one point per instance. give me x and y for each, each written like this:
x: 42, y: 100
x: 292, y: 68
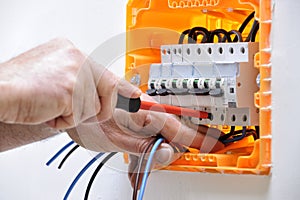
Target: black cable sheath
x: 181, y: 38
x: 218, y: 33
x: 89, y: 186
x: 253, y: 35
x: 201, y: 30
x: 67, y: 156
x: 244, y: 24
x: 253, y: 28
x: 237, y: 34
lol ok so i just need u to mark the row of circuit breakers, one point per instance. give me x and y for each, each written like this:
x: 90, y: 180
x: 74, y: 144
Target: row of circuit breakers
x: 219, y: 78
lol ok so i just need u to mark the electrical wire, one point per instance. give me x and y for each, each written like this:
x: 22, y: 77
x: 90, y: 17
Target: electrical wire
x: 200, y: 30
x: 59, y: 152
x: 140, y: 164
x: 237, y: 34
x: 257, y: 131
x: 148, y: 167
x: 252, y: 32
x: 244, y: 25
x: 228, y: 135
x: 83, y: 170
x: 219, y: 32
x: 244, y: 130
x: 67, y: 156
x: 88, y: 188
x: 183, y: 34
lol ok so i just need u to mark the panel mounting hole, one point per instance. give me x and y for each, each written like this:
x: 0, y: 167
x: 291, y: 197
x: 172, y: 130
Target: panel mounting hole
x: 209, y: 50
x: 199, y: 51
x: 231, y: 50
x: 245, y: 118
x: 188, y: 51
x: 164, y: 51
x: 239, y: 84
x: 242, y: 50
x: 233, y: 118
x: 220, y: 50
x: 179, y: 51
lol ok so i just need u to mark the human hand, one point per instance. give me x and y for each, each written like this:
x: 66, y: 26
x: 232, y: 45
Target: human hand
x: 133, y: 132
x: 57, y: 84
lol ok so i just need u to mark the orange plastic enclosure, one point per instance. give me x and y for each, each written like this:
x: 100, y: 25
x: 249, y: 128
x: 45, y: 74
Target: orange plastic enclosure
x: 152, y: 23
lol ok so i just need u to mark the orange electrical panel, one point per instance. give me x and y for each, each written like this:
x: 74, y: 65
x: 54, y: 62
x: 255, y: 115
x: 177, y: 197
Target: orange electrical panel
x: 153, y: 24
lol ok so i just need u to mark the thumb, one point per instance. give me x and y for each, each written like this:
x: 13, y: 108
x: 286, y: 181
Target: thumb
x: 128, y: 90
x: 164, y: 155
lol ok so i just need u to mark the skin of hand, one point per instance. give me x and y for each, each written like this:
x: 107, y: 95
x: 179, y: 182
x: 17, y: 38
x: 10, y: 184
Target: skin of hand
x: 133, y: 132
x: 57, y: 84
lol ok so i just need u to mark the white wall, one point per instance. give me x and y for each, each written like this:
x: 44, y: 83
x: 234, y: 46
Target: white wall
x: 23, y: 174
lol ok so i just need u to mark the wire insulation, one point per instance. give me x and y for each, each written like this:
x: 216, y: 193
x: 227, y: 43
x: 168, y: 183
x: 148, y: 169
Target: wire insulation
x: 89, y: 186
x: 148, y: 167
x: 140, y: 164
x: 83, y: 170
x: 67, y: 156
x: 59, y: 152
x: 244, y: 130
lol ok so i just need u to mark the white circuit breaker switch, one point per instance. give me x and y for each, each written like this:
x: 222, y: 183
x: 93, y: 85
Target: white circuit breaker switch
x: 218, y: 77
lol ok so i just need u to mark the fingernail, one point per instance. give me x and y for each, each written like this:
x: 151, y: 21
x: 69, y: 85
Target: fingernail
x: 164, y: 155
x: 137, y: 93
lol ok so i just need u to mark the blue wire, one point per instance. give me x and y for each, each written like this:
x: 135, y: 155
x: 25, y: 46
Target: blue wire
x: 148, y: 167
x: 81, y: 173
x: 59, y: 152
x: 236, y: 138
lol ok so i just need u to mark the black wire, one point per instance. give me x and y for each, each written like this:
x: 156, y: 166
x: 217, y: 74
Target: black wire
x: 244, y: 25
x: 257, y: 131
x: 67, y: 156
x: 253, y: 35
x: 236, y: 134
x: 226, y: 136
x: 238, y: 35
x: 204, y: 37
x: 203, y: 31
x: 218, y: 33
x: 181, y: 38
x: 101, y: 164
x: 254, y: 28
x: 140, y: 164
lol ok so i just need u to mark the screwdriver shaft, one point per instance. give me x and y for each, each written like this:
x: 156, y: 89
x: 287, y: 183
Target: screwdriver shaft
x: 145, y: 105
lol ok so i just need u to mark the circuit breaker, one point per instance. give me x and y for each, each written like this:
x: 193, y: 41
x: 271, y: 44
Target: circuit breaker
x: 212, y: 56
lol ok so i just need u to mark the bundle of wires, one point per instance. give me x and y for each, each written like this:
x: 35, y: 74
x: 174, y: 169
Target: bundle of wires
x: 155, y: 145
x: 222, y: 35
x: 234, y: 135
x: 83, y: 170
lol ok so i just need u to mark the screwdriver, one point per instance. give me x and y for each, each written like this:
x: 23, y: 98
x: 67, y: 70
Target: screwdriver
x: 135, y: 104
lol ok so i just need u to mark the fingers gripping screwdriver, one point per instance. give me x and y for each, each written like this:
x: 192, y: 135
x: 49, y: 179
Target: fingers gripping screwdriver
x: 135, y: 104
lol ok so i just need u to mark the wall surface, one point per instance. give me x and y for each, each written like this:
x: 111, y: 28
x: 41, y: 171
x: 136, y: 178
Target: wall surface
x: 23, y: 173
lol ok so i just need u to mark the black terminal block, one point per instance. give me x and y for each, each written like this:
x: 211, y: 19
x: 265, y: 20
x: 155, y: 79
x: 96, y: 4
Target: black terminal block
x: 151, y: 92
x: 177, y: 91
x: 199, y: 92
x: 162, y: 92
x: 216, y: 92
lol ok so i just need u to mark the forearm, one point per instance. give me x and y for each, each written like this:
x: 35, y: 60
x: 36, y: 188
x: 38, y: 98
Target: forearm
x: 15, y: 135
